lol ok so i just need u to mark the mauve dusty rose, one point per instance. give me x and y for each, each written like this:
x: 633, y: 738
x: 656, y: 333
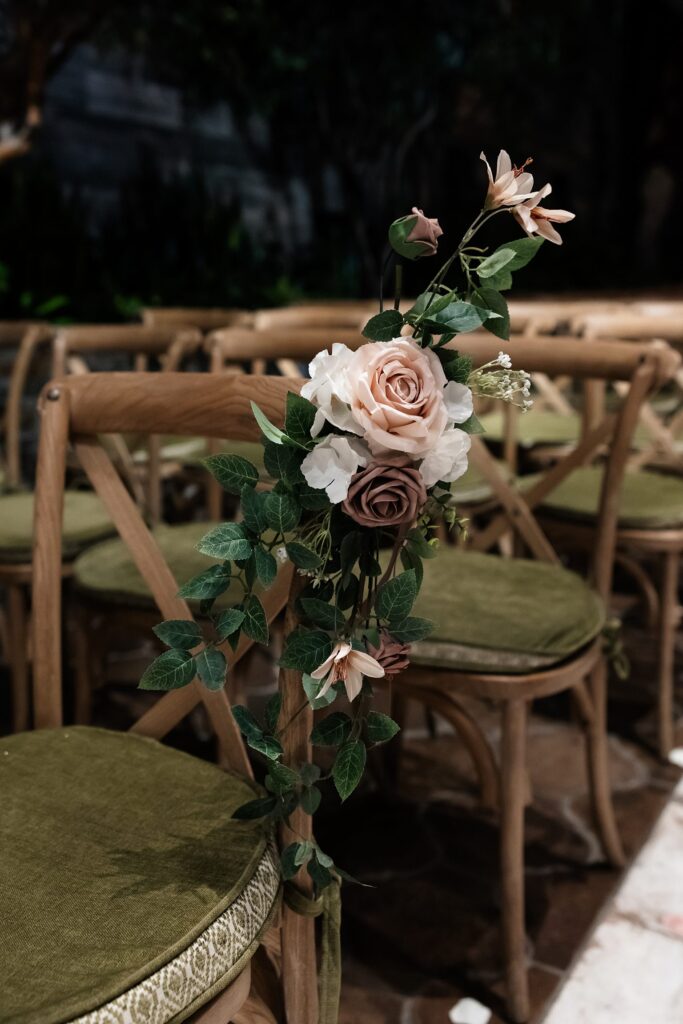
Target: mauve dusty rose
x: 390, y: 492
x: 391, y: 654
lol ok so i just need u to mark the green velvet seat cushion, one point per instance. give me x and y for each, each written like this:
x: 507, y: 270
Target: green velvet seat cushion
x: 108, y: 573
x: 648, y: 500
x: 127, y: 893
x: 85, y: 521
x: 500, y: 615
x: 473, y: 488
x: 543, y: 427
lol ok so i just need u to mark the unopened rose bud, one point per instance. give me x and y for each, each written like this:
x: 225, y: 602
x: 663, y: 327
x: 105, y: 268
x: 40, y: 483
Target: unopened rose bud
x: 415, y: 235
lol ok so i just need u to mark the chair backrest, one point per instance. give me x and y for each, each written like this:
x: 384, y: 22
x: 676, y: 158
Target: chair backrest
x: 349, y: 315
x: 203, y: 318
x: 286, y: 345
x: 25, y: 337
x: 76, y: 411
x: 632, y: 325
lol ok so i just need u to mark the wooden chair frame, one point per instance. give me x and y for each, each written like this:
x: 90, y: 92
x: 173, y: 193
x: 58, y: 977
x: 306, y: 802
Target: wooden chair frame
x: 75, y: 411
x: 204, y: 318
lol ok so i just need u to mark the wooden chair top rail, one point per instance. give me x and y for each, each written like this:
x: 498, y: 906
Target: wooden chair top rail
x: 239, y: 344
x: 12, y: 331
x: 351, y: 315
x: 635, y: 325
x: 209, y: 405
x: 136, y: 338
x: 203, y: 318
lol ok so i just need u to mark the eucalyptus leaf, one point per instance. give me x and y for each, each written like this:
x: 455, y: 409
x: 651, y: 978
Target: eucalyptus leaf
x: 170, y: 671
x: 183, y: 634
x: 472, y: 426
x: 495, y: 262
x: 268, y: 429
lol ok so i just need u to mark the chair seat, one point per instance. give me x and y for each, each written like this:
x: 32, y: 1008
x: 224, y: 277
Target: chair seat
x: 85, y: 521
x: 107, y: 571
x: 127, y: 893
x: 500, y: 615
x: 191, y: 451
x: 648, y: 500
x: 473, y: 488
x: 543, y: 427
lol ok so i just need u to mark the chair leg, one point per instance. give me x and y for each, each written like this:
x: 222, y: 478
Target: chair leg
x: 513, y: 774
x: 668, y: 616
x: 17, y: 630
x: 83, y: 683
x: 598, y: 766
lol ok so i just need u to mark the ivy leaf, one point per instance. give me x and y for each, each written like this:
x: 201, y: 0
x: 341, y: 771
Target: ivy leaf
x: 328, y: 616
x: 301, y: 556
x: 396, y: 597
x: 255, y: 809
x: 253, y: 509
x: 232, y: 471
x: 384, y: 326
x: 282, y: 512
x: 380, y: 728
x: 489, y: 298
x: 299, y: 417
x: 311, y: 689
x: 272, y: 712
x: 255, y: 624
x: 266, y: 566
x: 211, y: 668
x: 227, y: 541
x: 208, y: 584
x: 228, y: 622
x: 170, y: 671
x: 412, y: 629
x: 332, y: 731
x: 183, y: 634
x: 348, y: 768
x: 283, y: 463
x: 306, y: 650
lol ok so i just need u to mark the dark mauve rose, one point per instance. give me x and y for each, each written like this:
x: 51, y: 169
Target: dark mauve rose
x: 390, y: 492
x: 391, y: 654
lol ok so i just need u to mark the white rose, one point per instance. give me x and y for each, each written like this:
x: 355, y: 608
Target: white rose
x: 328, y: 389
x: 332, y: 464
x: 448, y: 458
x: 458, y: 401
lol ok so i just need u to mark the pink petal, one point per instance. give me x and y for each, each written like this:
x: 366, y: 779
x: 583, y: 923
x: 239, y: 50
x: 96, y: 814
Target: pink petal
x: 353, y: 683
x: 545, y: 228
x: 366, y: 664
x: 321, y: 671
x: 504, y: 164
x: 482, y: 156
x: 559, y: 216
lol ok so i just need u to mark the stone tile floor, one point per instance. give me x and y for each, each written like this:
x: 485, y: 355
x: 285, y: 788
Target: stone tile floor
x: 426, y: 935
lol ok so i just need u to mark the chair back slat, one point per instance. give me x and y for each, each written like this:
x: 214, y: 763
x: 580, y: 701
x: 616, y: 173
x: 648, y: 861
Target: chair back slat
x: 203, y: 318
x: 31, y: 338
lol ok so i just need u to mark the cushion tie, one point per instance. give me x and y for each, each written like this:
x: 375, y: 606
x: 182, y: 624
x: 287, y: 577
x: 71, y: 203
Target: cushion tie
x: 327, y: 906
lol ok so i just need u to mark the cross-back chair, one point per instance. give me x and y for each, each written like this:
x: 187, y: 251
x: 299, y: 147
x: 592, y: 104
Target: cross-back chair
x: 512, y: 630
x: 85, y: 521
x: 152, y: 904
x: 204, y: 318
x: 344, y: 315
x: 19, y: 339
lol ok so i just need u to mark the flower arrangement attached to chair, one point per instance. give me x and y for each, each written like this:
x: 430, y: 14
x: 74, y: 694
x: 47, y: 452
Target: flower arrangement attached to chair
x: 363, y: 470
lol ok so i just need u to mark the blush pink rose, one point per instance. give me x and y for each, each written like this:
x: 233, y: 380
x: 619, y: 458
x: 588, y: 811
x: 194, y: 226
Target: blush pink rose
x: 396, y: 390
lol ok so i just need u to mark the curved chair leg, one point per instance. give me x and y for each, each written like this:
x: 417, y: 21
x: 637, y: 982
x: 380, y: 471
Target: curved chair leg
x: 513, y: 783
x: 594, y: 709
x: 668, y: 617
x: 83, y: 683
x: 17, y: 630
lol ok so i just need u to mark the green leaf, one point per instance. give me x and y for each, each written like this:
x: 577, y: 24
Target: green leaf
x: 501, y: 281
x: 349, y: 553
x: 310, y: 799
x: 228, y: 622
x: 434, y: 300
x: 266, y: 566
x: 283, y: 463
x: 524, y: 250
x: 246, y: 722
x: 312, y: 498
x: 226, y: 541
x: 384, y: 326
x: 169, y: 671
x: 255, y: 809
x: 321, y: 876
x: 455, y: 366
x: 380, y: 728
x: 268, y: 429
x: 472, y: 426
x: 208, y: 584
x: 491, y: 299
x: 328, y: 616
x: 309, y: 773
x: 253, y: 509
x: 290, y: 859
x: 255, y: 624
x: 411, y: 560
x: 457, y: 318
x: 183, y: 634
x: 272, y: 712
x: 232, y: 471
x: 282, y: 779
x: 311, y: 688
x: 266, y: 745
x: 211, y: 668
x: 412, y: 629
x: 396, y: 597
x: 348, y: 768
x: 495, y: 262
x: 301, y: 556
x: 282, y: 512
x: 306, y: 650
x: 332, y: 731
x: 419, y: 544
x: 299, y: 417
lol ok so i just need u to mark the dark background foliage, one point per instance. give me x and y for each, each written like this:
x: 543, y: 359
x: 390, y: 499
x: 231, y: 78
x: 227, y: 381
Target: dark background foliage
x: 371, y: 108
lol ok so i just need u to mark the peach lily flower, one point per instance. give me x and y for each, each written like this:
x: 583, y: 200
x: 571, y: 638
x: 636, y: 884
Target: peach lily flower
x: 348, y: 666
x: 535, y: 219
x: 511, y: 184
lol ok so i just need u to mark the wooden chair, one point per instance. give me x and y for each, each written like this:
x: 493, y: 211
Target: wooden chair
x: 494, y: 622
x: 147, y: 901
x: 203, y: 318
x: 333, y: 315
x: 86, y: 521
x: 19, y: 341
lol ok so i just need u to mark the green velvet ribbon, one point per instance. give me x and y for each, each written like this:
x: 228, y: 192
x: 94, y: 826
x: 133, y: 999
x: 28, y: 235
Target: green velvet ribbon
x: 327, y: 906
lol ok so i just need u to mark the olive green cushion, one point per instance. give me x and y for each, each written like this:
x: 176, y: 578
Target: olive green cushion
x: 543, y: 427
x: 107, y: 571
x: 127, y: 893
x: 503, y: 615
x: 473, y: 488
x: 648, y: 500
x: 85, y: 521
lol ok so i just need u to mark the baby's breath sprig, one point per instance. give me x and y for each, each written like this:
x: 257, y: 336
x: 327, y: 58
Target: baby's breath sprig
x: 497, y: 379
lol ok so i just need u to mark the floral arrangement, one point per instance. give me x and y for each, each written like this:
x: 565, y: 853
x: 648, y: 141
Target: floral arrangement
x: 363, y: 471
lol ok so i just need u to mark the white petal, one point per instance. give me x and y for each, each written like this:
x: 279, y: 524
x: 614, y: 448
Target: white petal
x: 504, y: 164
x: 353, y: 683
x: 545, y: 228
x: 482, y: 156
x: 332, y: 464
x: 458, y: 401
x: 558, y: 216
x: 366, y: 664
x: 448, y: 459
